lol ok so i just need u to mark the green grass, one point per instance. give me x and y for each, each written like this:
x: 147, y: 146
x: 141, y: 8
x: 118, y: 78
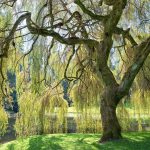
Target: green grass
x: 131, y: 141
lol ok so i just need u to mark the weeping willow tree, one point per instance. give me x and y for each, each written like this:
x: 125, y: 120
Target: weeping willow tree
x: 80, y: 40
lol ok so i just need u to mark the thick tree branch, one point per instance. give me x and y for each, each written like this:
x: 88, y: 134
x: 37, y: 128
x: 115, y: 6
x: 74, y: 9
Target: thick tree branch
x: 35, y: 29
x: 110, y: 25
x: 102, y: 70
x: 8, y: 3
x: 5, y: 45
x: 126, y: 34
x: 143, y: 50
x: 109, y: 2
x: 103, y: 49
x: 88, y: 12
x: 61, y: 39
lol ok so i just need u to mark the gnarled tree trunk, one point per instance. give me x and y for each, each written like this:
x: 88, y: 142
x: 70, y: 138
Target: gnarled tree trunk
x: 113, y: 92
x: 110, y: 124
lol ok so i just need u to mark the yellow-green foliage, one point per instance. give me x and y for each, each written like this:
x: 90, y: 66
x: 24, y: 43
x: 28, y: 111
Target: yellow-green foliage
x: 89, y: 122
x: 123, y: 116
x: 38, y: 114
x: 137, y: 113
x: 141, y: 102
x: 86, y: 97
x: 3, y: 121
x: 53, y: 113
x: 48, y: 113
x: 87, y: 92
x: 27, y: 120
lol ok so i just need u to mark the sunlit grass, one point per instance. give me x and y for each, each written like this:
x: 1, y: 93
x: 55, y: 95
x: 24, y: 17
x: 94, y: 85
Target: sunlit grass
x: 131, y: 141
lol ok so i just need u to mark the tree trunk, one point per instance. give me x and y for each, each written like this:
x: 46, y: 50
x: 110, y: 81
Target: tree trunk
x: 110, y: 124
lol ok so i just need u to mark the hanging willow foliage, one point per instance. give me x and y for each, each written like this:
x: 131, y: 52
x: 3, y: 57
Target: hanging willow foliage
x: 48, y: 114
x: 3, y: 121
x: 134, y: 114
x: 86, y: 97
x: 5, y: 98
x: 141, y: 103
x: 41, y: 114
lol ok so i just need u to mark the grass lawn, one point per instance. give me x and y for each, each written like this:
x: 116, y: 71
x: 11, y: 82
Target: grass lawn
x: 131, y: 141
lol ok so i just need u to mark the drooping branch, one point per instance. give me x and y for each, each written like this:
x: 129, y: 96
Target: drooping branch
x: 2, y: 77
x: 47, y: 61
x: 40, y: 11
x: 143, y: 50
x: 50, y: 7
x: 68, y: 63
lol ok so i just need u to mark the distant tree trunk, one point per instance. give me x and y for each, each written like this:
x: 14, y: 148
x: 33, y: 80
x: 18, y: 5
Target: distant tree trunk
x: 110, y: 124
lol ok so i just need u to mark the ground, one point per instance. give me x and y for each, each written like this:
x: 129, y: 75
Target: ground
x: 131, y: 141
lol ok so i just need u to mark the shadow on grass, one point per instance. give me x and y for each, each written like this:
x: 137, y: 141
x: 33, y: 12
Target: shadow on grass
x: 61, y: 142
x: 131, y: 141
x: 44, y: 143
x: 11, y: 147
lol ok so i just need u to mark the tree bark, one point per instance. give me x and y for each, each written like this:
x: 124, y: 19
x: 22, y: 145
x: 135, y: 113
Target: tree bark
x: 110, y: 124
x: 113, y: 92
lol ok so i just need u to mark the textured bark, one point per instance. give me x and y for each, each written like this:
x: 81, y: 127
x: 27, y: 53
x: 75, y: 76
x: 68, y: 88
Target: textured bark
x: 110, y: 124
x: 111, y: 127
x: 109, y: 100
